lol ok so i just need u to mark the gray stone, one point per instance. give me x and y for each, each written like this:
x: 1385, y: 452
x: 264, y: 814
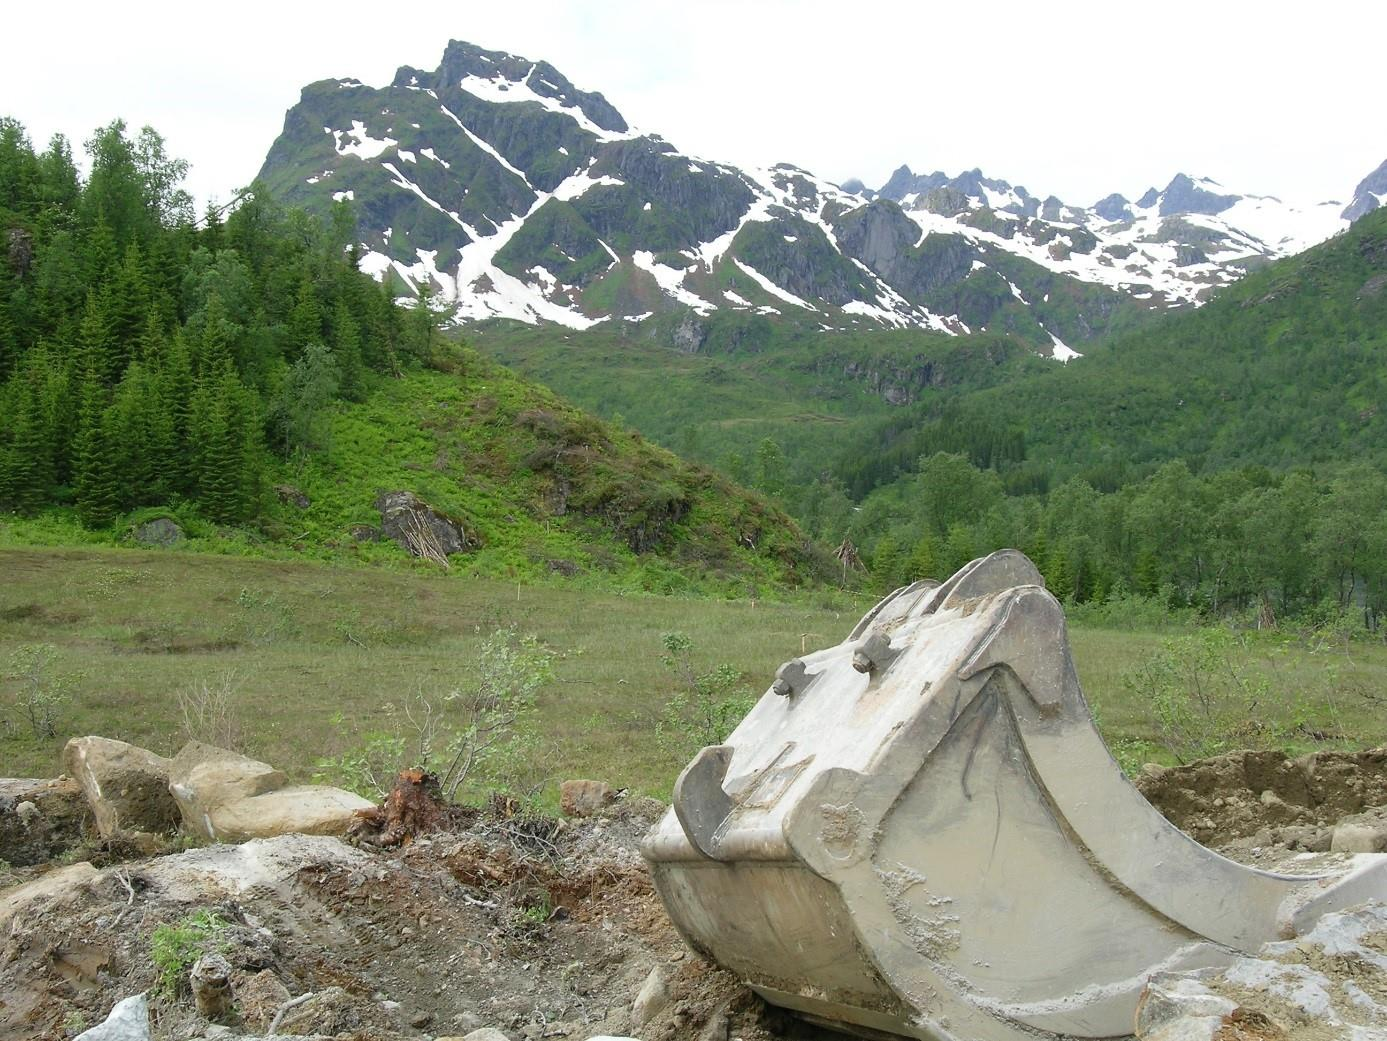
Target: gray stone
x: 291, y: 496
x: 160, y: 532
x: 128, y: 1021
x: 485, y: 1034
x: 422, y: 530
x: 210, y: 980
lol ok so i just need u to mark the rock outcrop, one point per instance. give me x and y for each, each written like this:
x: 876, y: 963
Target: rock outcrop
x: 421, y: 529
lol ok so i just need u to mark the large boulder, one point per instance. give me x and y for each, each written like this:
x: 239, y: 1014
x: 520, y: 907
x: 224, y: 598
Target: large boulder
x: 229, y: 797
x: 159, y: 533
x: 39, y: 818
x: 126, y: 787
x: 203, y: 777
x: 421, y: 529
x: 305, y: 809
x: 584, y: 798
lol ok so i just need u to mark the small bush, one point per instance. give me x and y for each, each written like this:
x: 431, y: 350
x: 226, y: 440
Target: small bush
x: 1202, y: 698
x: 209, y: 711
x: 43, y: 692
x: 707, y: 704
x: 174, y: 948
x: 476, y: 736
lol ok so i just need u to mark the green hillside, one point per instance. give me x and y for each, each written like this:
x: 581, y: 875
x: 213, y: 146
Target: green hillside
x: 238, y: 375
x: 1229, y: 458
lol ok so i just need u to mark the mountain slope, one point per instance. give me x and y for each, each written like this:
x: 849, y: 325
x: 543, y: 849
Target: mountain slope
x: 546, y: 488
x: 1286, y: 368
x: 1176, y: 244
x: 512, y: 193
x: 1369, y: 195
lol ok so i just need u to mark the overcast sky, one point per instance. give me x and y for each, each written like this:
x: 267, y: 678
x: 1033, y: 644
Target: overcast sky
x: 1072, y: 99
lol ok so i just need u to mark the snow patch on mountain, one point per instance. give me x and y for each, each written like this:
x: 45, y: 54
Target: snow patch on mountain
x: 358, y: 142
x: 501, y: 90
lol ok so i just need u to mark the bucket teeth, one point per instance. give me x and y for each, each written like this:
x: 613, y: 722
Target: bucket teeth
x: 874, y: 654
x: 790, y: 678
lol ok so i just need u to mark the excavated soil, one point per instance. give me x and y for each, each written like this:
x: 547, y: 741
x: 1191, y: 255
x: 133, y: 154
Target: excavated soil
x: 1258, y: 805
x: 541, y: 929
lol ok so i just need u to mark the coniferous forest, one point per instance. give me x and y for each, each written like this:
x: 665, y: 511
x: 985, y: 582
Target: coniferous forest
x: 152, y: 356
x: 149, y: 355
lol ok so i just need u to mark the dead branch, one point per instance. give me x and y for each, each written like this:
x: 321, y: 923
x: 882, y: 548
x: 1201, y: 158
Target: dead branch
x: 283, y: 1009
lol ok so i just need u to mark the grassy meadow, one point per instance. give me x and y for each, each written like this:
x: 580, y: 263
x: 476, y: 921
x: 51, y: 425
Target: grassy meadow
x: 313, y: 651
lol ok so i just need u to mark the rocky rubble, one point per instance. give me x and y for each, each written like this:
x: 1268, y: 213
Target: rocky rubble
x: 526, y: 927
x: 1331, y: 982
x: 1255, y: 805
x: 500, y: 925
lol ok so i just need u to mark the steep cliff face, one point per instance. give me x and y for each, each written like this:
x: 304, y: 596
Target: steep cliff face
x: 1369, y: 195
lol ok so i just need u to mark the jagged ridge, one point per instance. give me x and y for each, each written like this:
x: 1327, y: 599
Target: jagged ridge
x: 517, y: 195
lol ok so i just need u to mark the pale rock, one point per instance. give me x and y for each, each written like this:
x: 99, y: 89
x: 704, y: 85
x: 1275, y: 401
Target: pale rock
x: 55, y: 883
x: 652, y: 999
x: 584, y: 798
x: 128, y: 1021
x: 1177, y: 1008
x: 202, y: 777
x: 1359, y: 838
x: 482, y: 1034
x: 228, y: 797
x: 300, y: 810
x: 126, y: 787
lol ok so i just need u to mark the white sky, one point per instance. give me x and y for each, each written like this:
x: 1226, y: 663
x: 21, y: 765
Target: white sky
x: 1075, y: 99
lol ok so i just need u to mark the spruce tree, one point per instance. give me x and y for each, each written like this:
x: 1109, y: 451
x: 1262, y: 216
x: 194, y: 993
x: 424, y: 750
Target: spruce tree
x: 96, y: 481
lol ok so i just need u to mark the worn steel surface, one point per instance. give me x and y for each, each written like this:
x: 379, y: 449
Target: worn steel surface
x: 920, y: 833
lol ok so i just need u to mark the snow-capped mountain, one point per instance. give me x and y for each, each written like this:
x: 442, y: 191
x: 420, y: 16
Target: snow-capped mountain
x: 1173, y: 243
x: 515, y: 194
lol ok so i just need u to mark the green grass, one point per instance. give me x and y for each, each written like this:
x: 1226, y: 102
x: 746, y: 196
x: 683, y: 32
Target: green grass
x: 307, y: 643
x: 540, y: 486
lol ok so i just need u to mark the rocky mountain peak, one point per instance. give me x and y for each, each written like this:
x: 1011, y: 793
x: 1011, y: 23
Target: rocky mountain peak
x: 515, y: 194
x: 1185, y: 194
x: 1369, y: 195
x: 501, y: 76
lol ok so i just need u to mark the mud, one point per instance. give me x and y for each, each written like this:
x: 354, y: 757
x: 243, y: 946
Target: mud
x: 544, y: 928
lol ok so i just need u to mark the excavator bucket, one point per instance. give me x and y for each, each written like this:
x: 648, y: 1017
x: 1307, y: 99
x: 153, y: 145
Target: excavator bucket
x: 920, y: 833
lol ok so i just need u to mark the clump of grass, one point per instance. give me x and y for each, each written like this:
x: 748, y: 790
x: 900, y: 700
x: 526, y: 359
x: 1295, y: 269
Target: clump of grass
x: 174, y: 948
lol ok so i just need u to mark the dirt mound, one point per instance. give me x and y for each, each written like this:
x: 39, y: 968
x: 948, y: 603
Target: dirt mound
x: 543, y: 929
x: 1242, y: 795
